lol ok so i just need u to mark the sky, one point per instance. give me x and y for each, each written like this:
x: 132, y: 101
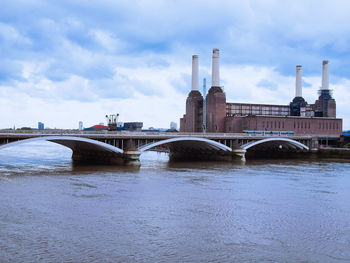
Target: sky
x: 64, y: 61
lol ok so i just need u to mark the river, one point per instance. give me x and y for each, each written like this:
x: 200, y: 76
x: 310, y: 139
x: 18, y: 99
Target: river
x: 260, y: 211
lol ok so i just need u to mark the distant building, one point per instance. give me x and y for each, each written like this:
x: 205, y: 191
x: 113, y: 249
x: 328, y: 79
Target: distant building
x: 40, y: 125
x: 133, y: 126
x: 173, y: 125
x: 81, y: 127
x: 97, y: 128
x: 126, y: 126
x: 298, y: 117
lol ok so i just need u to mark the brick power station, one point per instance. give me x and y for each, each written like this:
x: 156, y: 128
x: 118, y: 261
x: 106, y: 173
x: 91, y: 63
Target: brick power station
x: 221, y: 116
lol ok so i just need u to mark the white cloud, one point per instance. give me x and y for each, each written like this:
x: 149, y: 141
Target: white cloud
x: 12, y: 36
x: 107, y: 40
x: 164, y: 103
x: 138, y: 94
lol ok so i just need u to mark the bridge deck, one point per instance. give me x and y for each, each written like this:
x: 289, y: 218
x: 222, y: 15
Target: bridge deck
x: 151, y: 135
x: 96, y: 146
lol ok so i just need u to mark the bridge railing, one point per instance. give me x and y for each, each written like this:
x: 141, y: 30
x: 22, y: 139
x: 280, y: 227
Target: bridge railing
x: 156, y: 134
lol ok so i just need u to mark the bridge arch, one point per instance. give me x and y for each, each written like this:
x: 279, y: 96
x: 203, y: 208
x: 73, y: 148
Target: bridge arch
x: 292, y: 143
x: 74, y: 143
x: 209, y: 143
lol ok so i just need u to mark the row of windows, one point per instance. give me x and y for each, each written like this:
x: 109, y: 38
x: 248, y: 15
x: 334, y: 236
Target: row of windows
x: 257, y: 110
x: 256, y: 107
x: 323, y: 125
x: 269, y: 124
x: 302, y: 125
x: 331, y: 125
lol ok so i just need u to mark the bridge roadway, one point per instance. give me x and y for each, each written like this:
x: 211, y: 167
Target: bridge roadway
x: 126, y: 147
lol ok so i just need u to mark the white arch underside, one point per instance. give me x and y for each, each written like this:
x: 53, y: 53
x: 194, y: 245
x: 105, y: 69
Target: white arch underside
x: 58, y: 139
x: 213, y: 144
x: 291, y: 142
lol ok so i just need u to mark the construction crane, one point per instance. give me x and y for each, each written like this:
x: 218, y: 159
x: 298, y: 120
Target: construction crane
x: 112, y: 121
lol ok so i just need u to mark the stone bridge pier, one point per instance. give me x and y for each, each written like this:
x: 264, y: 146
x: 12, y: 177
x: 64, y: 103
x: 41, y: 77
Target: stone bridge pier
x: 131, y: 153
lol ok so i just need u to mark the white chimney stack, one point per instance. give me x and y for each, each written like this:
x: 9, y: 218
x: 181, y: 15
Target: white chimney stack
x: 215, y: 76
x: 325, y: 77
x: 195, y: 72
x: 298, y: 89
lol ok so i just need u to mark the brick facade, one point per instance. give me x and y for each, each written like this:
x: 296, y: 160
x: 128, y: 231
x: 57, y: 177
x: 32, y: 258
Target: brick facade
x: 299, y: 125
x: 193, y: 119
x: 216, y: 110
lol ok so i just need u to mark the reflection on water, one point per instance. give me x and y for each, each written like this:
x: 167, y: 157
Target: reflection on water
x: 265, y: 210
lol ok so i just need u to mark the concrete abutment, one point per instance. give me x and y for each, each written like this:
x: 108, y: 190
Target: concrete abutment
x: 132, y: 158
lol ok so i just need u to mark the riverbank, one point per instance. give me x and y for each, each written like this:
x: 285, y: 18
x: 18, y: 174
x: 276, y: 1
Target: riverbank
x: 334, y: 152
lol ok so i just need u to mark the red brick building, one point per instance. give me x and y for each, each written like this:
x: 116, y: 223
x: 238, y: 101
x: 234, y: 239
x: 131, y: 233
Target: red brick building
x: 298, y: 117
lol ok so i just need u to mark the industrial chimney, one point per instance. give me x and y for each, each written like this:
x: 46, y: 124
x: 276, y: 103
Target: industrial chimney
x: 298, y: 104
x: 325, y: 77
x: 298, y: 88
x: 325, y: 105
x: 194, y: 72
x: 215, y: 81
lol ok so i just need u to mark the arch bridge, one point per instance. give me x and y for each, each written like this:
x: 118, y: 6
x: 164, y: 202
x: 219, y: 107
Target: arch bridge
x: 126, y: 147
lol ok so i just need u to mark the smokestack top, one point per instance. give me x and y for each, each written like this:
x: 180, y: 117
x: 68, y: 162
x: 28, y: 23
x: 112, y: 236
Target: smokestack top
x: 298, y: 87
x: 325, y: 75
x: 215, y: 76
x: 216, y: 52
x: 194, y: 72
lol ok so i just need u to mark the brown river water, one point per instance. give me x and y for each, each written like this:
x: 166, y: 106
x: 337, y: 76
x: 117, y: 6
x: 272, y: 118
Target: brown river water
x: 260, y: 211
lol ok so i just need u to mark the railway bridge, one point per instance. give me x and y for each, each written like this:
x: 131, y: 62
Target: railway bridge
x: 126, y: 147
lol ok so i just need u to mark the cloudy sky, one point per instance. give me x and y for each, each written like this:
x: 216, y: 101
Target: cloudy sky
x: 62, y: 62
